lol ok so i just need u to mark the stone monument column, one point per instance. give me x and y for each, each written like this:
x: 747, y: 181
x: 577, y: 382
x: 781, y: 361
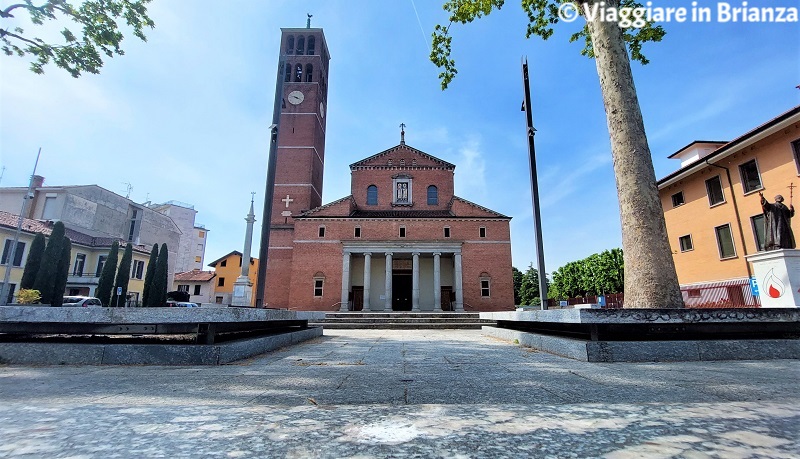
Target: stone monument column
x: 388, y: 305
x: 242, y: 287
x: 437, y: 282
x: 367, y: 280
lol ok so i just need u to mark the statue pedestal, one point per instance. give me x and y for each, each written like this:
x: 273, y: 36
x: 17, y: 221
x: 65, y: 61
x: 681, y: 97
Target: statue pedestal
x: 777, y: 274
x: 242, y: 292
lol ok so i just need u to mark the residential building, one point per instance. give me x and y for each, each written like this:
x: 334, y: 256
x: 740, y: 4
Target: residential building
x: 712, y: 206
x: 87, y: 257
x: 192, y: 246
x: 99, y: 213
x: 198, y: 284
x: 227, y: 269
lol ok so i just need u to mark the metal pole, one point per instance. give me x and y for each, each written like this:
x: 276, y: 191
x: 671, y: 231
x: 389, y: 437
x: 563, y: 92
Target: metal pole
x: 537, y: 220
x: 269, y: 193
x: 12, y: 252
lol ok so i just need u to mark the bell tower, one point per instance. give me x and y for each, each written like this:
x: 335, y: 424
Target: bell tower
x: 300, y: 153
x: 301, y: 141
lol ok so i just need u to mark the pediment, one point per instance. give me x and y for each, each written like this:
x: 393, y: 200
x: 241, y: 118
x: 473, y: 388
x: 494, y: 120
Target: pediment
x: 402, y: 156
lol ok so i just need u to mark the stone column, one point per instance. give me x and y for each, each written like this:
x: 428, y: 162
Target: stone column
x: 458, y: 284
x: 345, y: 281
x: 367, y: 280
x: 388, y: 306
x: 415, y: 282
x: 437, y: 283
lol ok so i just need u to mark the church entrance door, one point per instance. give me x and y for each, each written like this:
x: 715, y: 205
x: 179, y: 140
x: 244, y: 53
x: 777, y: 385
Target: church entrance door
x: 401, y: 290
x: 448, y: 296
x: 358, y: 298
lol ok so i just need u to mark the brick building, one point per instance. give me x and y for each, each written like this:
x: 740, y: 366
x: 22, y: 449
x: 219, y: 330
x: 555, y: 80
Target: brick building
x: 401, y: 241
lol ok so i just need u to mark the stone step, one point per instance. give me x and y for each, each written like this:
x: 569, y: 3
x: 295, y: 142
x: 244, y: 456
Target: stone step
x: 376, y: 320
x: 404, y: 326
x: 403, y: 315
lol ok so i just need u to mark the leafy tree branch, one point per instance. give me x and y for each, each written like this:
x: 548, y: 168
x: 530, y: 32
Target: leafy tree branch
x: 78, y: 53
x: 542, y: 16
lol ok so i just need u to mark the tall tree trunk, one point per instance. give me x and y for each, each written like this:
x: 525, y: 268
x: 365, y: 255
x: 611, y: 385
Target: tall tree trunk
x: 650, y: 278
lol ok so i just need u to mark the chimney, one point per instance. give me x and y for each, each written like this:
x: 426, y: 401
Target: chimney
x: 38, y: 181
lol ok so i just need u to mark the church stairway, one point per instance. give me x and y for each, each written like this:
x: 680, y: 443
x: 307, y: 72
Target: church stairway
x: 403, y: 320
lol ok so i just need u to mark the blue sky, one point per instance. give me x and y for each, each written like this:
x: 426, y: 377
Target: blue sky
x: 184, y: 116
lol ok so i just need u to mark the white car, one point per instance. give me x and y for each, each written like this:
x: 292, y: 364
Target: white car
x: 182, y: 304
x: 81, y: 302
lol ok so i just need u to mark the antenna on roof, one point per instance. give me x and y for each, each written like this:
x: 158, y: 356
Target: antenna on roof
x: 128, y: 188
x: 2, y: 173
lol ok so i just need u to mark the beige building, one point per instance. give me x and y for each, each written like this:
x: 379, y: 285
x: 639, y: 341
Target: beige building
x: 198, y: 284
x: 86, y: 258
x: 712, y: 206
x: 99, y: 213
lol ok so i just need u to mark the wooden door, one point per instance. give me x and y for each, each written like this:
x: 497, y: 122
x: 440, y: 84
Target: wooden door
x: 448, y: 296
x: 358, y: 298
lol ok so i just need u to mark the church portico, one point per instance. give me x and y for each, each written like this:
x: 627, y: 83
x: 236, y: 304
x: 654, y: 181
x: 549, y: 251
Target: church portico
x: 420, y: 277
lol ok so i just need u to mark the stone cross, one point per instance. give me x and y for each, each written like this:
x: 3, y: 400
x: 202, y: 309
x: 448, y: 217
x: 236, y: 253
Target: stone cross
x: 287, y: 201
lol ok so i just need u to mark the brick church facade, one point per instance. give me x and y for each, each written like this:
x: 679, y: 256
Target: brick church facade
x: 401, y: 241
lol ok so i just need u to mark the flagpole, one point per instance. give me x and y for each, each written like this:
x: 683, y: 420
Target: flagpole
x: 12, y: 252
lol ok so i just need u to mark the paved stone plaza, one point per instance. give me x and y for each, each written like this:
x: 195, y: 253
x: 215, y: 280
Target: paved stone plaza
x: 390, y: 393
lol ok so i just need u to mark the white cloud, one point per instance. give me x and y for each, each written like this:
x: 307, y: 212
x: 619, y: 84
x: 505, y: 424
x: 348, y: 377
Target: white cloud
x: 471, y: 182
x: 558, y: 186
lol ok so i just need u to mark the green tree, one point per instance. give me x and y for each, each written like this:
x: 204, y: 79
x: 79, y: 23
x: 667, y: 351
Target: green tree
x: 158, y: 291
x: 529, y: 290
x: 46, y: 276
x: 106, y: 282
x: 597, y: 274
x: 517, y: 276
x: 62, y: 271
x: 33, y: 262
x: 148, y: 276
x: 79, y: 53
x: 651, y: 281
x: 123, y: 275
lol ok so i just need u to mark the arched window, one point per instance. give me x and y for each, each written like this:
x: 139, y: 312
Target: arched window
x: 433, y: 195
x: 311, y: 43
x: 309, y: 73
x: 372, y: 195
x: 301, y: 45
x: 298, y: 73
x: 288, y: 73
x: 290, y: 44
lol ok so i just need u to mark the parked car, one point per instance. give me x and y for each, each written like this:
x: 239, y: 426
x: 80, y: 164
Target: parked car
x: 81, y: 302
x: 182, y: 304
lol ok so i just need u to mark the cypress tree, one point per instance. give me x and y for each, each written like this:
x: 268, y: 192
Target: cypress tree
x: 62, y: 272
x: 123, y: 275
x: 46, y: 276
x: 33, y: 262
x: 148, y: 276
x: 158, y: 291
x: 106, y: 282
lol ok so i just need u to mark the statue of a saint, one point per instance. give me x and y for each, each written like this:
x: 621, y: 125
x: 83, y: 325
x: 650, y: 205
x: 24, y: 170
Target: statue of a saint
x: 777, y: 224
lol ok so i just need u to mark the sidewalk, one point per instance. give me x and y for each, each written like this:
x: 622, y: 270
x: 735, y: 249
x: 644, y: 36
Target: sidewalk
x: 390, y: 393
